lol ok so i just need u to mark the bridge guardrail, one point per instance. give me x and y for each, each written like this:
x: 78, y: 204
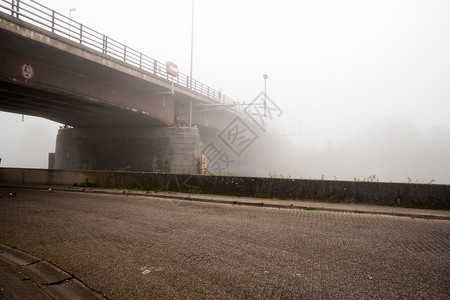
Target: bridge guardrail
x: 39, y: 15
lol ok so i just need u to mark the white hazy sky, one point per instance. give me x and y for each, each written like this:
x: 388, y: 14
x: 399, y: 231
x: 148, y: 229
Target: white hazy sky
x: 334, y: 67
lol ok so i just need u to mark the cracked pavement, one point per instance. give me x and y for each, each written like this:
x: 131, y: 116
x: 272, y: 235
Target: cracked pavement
x: 134, y: 247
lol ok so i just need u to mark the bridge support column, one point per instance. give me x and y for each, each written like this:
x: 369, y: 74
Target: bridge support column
x: 151, y: 149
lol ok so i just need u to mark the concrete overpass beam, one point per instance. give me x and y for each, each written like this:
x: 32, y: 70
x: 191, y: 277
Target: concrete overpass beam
x: 151, y: 149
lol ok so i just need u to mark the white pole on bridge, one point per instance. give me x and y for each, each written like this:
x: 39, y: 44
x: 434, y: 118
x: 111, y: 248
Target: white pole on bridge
x: 192, y: 59
x: 265, y: 94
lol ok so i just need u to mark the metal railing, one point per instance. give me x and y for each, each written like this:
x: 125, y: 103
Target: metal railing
x: 39, y: 15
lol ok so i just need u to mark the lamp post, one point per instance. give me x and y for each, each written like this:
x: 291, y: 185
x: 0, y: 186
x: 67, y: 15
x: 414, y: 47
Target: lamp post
x: 70, y: 19
x: 265, y: 94
x: 192, y: 59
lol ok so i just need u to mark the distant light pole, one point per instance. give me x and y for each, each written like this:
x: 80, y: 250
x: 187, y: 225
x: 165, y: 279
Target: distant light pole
x: 192, y: 59
x: 265, y: 94
x: 70, y: 19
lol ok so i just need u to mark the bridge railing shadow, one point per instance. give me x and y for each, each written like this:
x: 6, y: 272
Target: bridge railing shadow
x: 48, y: 19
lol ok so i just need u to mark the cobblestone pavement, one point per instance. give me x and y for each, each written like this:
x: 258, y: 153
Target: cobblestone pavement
x: 130, y: 247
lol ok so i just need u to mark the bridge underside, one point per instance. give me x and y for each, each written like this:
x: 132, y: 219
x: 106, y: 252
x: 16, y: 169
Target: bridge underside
x: 68, y: 109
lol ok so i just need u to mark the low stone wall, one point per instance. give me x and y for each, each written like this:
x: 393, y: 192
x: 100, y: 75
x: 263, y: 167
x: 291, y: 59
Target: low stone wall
x: 434, y: 196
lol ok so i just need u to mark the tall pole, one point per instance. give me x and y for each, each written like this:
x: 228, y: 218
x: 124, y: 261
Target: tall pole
x: 265, y: 97
x: 265, y: 94
x: 192, y: 60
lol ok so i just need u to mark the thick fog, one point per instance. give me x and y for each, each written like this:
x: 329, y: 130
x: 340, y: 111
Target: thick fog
x: 363, y: 85
x: 26, y: 141
x: 389, y: 150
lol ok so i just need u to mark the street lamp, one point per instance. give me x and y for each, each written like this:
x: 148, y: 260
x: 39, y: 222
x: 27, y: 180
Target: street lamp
x: 192, y: 59
x: 265, y: 94
x: 70, y: 19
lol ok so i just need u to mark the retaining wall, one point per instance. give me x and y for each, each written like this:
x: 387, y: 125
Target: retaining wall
x: 434, y: 196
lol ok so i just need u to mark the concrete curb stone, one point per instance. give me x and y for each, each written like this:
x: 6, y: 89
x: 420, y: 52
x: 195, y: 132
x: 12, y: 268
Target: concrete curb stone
x: 18, y: 258
x: 28, y: 277
x: 72, y: 289
x: 44, y: 273
x: 14, y: 285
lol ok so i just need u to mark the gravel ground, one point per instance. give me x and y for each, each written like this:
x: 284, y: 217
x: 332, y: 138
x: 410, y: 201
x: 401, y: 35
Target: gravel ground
x: 144, y: 248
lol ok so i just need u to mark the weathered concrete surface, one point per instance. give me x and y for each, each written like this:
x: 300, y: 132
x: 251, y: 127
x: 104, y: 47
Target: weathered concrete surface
x: 163, y: 149
x: 129, y: 247
x: 433, y: 196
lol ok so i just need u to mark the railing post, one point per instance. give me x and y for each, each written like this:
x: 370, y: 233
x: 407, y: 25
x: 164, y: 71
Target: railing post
x: 18, y: 8
x: 140, y: 60
x: 53, y: 21
x: 81, y: 34
x: 155, y: 67
x: 105, y: 44
x: 12, y: 7
x: 124, y: 53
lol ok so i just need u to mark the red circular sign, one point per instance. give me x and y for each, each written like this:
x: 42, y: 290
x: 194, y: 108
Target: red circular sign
x: 27, y: 70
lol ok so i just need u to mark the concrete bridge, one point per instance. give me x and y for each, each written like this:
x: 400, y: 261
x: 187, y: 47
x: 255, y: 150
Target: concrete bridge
x: 122, y: 109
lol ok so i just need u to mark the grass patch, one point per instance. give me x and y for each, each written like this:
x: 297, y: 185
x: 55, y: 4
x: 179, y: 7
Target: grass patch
x: 87, y: 183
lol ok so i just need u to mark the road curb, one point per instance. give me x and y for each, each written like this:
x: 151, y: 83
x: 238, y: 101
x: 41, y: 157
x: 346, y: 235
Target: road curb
x: 53, y: 282
x: 258, y: 202
x: 290, y: 204
x: 302, y: 207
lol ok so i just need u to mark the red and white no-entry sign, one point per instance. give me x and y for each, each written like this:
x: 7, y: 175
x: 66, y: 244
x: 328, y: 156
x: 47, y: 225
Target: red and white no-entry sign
x: 27, y: 70
x: 172, y: 69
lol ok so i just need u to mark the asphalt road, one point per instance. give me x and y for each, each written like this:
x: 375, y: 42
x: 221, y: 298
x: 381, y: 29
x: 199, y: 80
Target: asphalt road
x: 130, y: 247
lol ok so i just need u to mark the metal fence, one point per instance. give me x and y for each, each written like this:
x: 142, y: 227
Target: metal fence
x: 37, y: 14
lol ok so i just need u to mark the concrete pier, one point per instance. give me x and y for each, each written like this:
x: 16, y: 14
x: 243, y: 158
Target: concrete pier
x: 157, y: 149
